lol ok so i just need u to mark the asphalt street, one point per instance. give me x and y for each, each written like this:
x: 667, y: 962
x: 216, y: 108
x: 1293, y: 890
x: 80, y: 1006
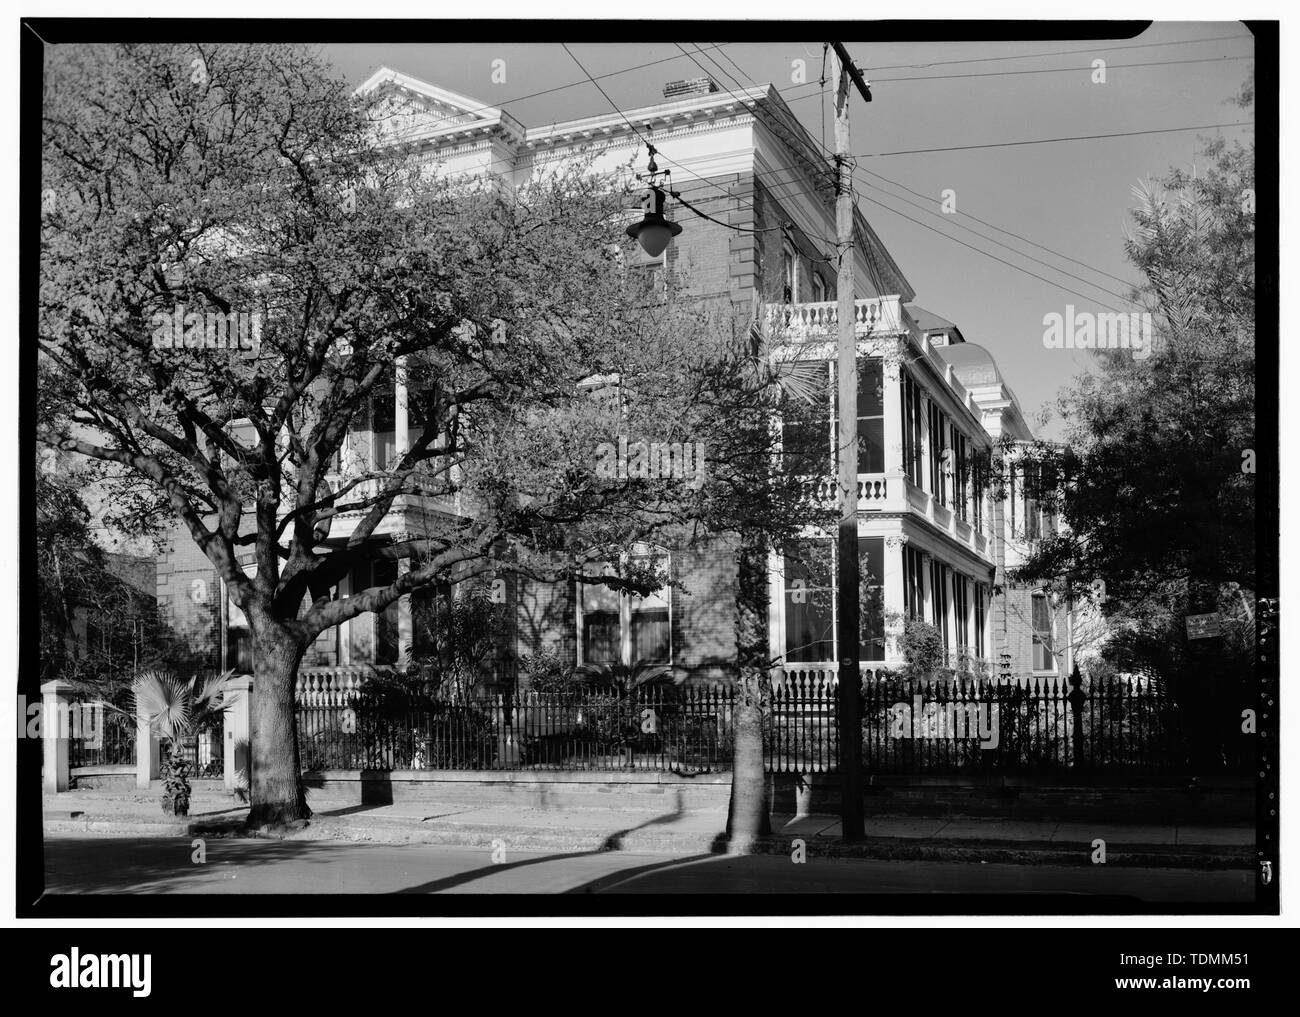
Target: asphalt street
x: 159, y: 865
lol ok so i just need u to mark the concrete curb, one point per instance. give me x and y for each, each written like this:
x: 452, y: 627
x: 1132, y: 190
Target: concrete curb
x: 882, y: 849
x: 685, y: 842
x: 218, y: 827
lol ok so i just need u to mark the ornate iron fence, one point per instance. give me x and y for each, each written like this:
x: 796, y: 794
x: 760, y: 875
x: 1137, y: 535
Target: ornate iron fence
x: 949, y: 726
x: 343, y: 723
x: 205, y: 752
x: 106, y: 736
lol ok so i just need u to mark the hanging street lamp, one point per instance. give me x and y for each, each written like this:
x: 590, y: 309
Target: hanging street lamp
x: 654, y: 231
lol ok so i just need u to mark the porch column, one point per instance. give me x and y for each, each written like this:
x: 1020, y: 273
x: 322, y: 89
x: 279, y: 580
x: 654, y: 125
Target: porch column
x: 776, y: 608
x: 401, y: 415
x: 405, y: 623
x: 950, y: 616
x: 927, y: 588
x: 148, y: 754
x: 895, y: 491
x: 895, y: 594
x: 56, y: 730
x: 925, y: 441
x: 238, y: 727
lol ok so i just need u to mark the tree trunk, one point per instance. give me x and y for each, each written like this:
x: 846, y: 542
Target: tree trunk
x: 747, y: 817
x: 276, y: 792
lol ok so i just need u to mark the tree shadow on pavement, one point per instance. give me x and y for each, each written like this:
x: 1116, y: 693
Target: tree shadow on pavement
x: 142, y: 865
x: 611, y: 843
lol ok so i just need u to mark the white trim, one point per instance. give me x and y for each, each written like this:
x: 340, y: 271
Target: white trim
x: 467, y: 106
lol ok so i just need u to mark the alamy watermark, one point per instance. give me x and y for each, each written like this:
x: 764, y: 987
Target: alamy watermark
x: 1086, y: 330
x: 81, y: 721
x: 945, y: 720
x: 75, y: 970
x: 207, y: 330
x: 658, y: 460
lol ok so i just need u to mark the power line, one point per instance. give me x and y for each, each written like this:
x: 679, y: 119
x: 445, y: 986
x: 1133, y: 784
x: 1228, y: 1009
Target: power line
x: 1040, y: 70
x: 1063, y: 70
x: 571, y: 84
x: 1021, y: 254
x: 1051, y: 267
x: 987, y: 254
x: 1067, y: 52
x: 1001, y: 229
x: 869, y: 255
x: 876, y: 202
x: 722, y: 72
x: 653, y: 151
x: 1032, y: 243
x: 720, y: 47
x: 1050, y: 141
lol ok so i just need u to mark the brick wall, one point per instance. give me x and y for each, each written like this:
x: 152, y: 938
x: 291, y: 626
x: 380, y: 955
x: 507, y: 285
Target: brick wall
x: 189, y: 596
x: 710, y: 259
x: 810, y: 261
x: 1016, y: 600
x: 704, y: 614
x: 546, y: 617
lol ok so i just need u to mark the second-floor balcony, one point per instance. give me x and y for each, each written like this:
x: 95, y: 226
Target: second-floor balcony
x: 407, y: 513
x: 819, y: 322
x: 825, y: 491
x: 895, y: 494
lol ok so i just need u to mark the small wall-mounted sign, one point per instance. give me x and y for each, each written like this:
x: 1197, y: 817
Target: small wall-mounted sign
x: 1203, y: 626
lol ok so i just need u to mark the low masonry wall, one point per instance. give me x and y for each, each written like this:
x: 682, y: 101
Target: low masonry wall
x: 111, y: 777
x: 1218, y: 802
x: 550, y: 789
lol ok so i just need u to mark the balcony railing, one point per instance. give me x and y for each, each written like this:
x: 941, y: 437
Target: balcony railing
x: 826, y: 490
x: 820, y: 321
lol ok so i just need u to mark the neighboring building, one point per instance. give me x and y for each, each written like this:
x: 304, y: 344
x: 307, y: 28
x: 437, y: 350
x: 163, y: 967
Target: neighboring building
x: 1033, y: 632
x: 929, y: 406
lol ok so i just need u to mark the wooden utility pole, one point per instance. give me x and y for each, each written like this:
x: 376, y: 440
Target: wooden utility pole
x: 847, y: 611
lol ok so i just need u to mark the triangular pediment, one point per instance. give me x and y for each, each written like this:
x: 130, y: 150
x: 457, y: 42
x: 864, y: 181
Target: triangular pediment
x: 404, y: 107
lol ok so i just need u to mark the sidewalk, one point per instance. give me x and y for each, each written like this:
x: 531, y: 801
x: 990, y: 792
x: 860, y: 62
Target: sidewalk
x: 629, y: 823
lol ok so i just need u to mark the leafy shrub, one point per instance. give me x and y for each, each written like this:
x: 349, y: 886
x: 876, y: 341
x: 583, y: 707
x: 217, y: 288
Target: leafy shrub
x: 546, y: 671
x: 922, y: 649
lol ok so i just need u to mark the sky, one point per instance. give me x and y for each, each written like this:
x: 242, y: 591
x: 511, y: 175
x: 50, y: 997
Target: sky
x: 1070, y: 197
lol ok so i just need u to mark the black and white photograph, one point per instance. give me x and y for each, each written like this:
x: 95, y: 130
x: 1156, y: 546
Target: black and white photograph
x: 649, y: 468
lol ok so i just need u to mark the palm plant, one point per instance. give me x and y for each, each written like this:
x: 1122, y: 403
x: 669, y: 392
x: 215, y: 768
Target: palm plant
x: 176, y: 709
x: 625, y: 679
x: 622, y: 722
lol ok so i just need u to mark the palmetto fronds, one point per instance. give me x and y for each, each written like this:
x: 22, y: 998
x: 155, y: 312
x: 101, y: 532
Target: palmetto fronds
x: 764, y: 367
x: 176, y: 707
x: 163, y: 699
x: 627, y: 679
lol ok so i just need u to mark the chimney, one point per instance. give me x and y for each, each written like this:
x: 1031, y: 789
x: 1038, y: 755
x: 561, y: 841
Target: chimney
x: 691, y: 86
